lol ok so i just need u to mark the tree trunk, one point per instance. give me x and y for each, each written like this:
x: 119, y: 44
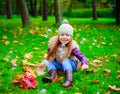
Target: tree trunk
x: 24, y: 13
x: 33, y: 4
x: 94, y: 10
x: 44, y: 10
x: 58, y: 13
x: 118, y: 11
x: 8, y: 9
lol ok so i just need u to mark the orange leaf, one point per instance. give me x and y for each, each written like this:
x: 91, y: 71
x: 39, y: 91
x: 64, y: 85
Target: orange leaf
x: 95, y: 81
x: 57, y: 79
x: 84, y: 87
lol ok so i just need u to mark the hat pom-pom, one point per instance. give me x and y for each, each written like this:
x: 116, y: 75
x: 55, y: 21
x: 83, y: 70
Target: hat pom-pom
x: 65, y: 22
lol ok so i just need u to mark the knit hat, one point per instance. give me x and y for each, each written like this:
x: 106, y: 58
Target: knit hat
x: 65, y: 28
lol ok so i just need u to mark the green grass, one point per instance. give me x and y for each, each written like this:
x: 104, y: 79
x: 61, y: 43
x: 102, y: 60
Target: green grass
x: 97, y: 40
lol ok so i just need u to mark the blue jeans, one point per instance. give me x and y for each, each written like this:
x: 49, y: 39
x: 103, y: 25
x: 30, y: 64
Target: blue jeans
x: 65, y: 65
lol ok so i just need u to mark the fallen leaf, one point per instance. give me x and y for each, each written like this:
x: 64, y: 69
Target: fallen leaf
x: 78, y: 93
x: 90, y: 70
x: 96, y: 61
x: 31, y: 31
x: 79, y: 66
x: 114, y: 88
x: 5, y: 59
x: 96, y: 65
x: 15, y: 41
x: 41, y: 66
x: 84, y: 87
x: 4, y: 37
x: 108, y: 92
x: 118, y: 76
x: 28, y: 55
x: 36, y: 48
x: 57, y: 79
x: 107, y: 71
x: 25, y: 62
x: 13, y: 62
x: 95, y: 81
x: 6, y: 43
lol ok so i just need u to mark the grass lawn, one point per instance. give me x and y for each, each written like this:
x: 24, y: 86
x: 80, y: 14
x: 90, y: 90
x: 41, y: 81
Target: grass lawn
x: 99, y: 41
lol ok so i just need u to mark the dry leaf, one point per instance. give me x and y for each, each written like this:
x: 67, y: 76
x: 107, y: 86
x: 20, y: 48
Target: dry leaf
x: 13, y: 62
x: 25, y: 62
x: 107, y: 71
x: 4, y: 37
x: 42, y: 66
x: 79, y: 66
x: 118, y: 76
x: 6, y: 43
x: 90, y: 70
x: 15, y: 41
x: 78, y: 93
x: 57, y: 79
x: 36, y: 48
x: 28, y: 55
x: 108, y: 92
x: 97, y: 61
x: 84, y: 87
x: 31, y: 31
x: 5, y: 59
x: 95, y: 81
x: 96, y: 65
x: 29, y: 71
x: 114, y: 88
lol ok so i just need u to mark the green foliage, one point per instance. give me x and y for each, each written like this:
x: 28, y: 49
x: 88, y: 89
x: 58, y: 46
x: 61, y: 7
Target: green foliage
x: 97, y: 40
x: 86, y: 13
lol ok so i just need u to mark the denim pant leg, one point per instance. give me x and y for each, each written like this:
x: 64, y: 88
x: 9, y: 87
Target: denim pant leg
x: 69, y: 64
x: 54, y: 65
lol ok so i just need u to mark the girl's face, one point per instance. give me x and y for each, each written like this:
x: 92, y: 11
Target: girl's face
x: 64, y: 38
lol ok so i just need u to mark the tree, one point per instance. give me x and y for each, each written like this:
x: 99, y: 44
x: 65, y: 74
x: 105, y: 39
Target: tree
x: 57, y: 10
x: 94, y: 10
x: 33, y: 9
x: 118, y: 11
x: 45, y: 10
x: 8, y: 9
x: 24, y: 13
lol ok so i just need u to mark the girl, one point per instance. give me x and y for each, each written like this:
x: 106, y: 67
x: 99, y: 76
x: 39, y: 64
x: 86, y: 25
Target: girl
x: 63, y: 55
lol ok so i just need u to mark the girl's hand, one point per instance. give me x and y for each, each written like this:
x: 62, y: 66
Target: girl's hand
x: 84, y: 67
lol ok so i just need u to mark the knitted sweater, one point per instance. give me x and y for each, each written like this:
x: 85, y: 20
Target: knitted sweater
x: 62, y: 51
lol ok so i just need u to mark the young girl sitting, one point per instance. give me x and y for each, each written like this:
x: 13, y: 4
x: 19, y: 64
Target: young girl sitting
x: 63, y: 55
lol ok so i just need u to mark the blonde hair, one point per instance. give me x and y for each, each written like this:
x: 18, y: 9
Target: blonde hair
x: 54, y: 47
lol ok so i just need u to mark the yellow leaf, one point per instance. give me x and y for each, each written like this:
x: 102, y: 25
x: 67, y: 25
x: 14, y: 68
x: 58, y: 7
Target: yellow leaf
x: 5, y: 59
x: 28, y: 55
x: 4, y: 37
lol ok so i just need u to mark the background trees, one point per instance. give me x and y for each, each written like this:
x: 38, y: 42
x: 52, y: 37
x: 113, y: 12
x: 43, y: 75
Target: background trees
x: 8, y: 9
x: 24, y: 13
x: 62, y: 8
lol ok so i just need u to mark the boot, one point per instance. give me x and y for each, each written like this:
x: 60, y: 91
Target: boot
x: 68, y: 82
x: 52, y: 76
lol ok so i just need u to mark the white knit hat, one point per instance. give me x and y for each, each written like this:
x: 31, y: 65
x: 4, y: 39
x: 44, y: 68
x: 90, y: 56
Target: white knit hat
x: 65, y: 28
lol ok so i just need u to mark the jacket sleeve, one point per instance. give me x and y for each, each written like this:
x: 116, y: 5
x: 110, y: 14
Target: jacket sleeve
x: 79, y: 55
